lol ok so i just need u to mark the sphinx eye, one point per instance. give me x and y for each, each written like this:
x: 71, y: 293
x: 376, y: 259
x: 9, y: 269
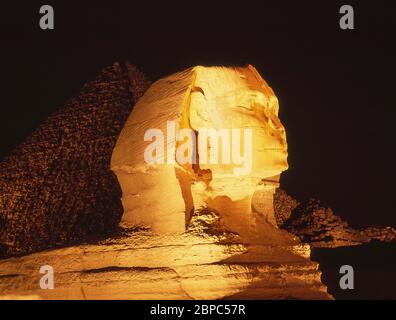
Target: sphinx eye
x: 246, y: 107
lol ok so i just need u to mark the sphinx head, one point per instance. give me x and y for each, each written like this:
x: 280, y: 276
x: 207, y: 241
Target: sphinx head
x: 206, y: 137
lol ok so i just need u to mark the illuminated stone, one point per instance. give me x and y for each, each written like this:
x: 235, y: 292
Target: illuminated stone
x: 203, y: 263
x: 237, y: 105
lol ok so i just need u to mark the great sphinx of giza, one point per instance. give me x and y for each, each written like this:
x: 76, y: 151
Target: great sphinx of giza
x: 205, y: 202
x: 230, y: 112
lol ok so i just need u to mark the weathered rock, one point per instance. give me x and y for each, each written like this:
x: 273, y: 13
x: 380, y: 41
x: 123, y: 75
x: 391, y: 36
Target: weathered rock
x: 283, y: 206
x: 213, y: 114
x: 320, y: 227
x: 57, y: 187
x: 206, y: 262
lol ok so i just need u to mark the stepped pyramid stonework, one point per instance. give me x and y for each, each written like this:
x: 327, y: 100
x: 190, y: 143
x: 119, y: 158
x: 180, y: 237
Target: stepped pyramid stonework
x: 190, y: 230
x: 57, y: 187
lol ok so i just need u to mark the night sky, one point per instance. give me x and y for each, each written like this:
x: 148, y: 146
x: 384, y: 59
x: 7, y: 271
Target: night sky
x: 335, y: 87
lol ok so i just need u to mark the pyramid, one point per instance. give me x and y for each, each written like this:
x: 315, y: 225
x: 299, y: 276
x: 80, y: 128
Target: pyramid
x: 56, y: 187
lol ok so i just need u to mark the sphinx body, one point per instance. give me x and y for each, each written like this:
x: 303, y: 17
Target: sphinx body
x: 163, y: 194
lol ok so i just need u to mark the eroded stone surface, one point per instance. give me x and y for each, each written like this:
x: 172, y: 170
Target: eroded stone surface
x: 199, y: 99
x: 317, y: 225
x: 206, y: 262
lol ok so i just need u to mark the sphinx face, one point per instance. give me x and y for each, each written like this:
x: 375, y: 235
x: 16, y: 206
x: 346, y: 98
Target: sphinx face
x: 244, y: 108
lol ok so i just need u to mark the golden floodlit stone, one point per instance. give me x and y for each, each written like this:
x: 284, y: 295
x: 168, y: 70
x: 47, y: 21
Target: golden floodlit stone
x: 216, y: 142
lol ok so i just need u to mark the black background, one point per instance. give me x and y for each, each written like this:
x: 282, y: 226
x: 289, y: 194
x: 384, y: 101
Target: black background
x: 254, y: 309
x: 335, y: 87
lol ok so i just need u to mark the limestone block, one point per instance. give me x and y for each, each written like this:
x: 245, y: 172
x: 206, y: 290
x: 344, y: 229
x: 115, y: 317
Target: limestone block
x: 198, y: 264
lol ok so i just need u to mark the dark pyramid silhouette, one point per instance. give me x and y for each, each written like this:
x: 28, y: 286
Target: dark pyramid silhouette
x: 57, y: 187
